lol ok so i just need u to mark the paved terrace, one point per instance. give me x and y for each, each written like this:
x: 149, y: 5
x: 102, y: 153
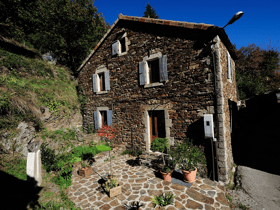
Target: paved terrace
x: 139, y: 183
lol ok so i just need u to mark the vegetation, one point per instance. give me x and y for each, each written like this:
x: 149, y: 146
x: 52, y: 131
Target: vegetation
x: 27, y: 84
x: 257, y: 70
x: 78, y: 27
x: 163, y: 199
x: 150, y: 12
x: 110, y: 183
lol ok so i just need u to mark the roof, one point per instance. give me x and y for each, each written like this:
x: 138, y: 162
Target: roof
x: 201, y: 26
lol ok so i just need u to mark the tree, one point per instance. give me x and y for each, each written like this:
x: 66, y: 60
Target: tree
x: 150, y: 12
x: 68, y: 28
x: 257, y: 70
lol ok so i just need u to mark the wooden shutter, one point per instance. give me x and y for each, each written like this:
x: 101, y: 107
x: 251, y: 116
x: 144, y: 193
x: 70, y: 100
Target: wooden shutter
x: 116, y: 48
x: 94, y: 88
x: 107, y: 80
x: 96, y: 123
x: 142, y: 73
x: 109, y: 117
x: 231, y: 72
x: 163, y: 68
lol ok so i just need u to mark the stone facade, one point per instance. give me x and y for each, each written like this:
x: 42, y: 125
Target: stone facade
x: 187, y: 92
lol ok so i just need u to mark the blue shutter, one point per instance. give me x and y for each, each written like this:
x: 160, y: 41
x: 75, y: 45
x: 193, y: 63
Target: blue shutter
x: 94, y: 88
x: 115, y: 48
x: 142, y: 73
x: 109, y: 117
x: 96, y: 124
x: 163, y: 68
x: 107, y: 80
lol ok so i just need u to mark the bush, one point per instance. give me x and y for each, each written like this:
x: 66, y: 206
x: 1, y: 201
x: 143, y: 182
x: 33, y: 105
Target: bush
x: 159, y: 144
x: 48, y: 157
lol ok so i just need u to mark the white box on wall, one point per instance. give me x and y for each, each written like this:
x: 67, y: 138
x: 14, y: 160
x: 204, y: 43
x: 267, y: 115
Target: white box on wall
x: 208, y: 126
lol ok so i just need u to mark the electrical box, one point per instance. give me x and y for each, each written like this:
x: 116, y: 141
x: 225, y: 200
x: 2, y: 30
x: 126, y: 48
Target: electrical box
x: 208, y: 126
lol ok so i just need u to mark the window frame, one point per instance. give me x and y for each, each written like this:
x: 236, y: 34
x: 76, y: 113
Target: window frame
x: 98, y: 117
x: 96, y: 81
x: 118, y: 41
x: 229, y: 68
x: 161, y: 58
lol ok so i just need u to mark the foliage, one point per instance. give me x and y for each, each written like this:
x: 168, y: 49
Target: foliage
x: 85, y: 164
x: 111, y: 182
x: 15, y: 166
x: 125, y: 152
x: 163, y: 199
x: 257, y: 70
x: 107, y: 132
x: 48, y: 157
x: 159, y: 144
x: 85, y: 152
x: 150, y: 12
x: 78, y: 26
x: 190, y: 155
x: 91, y: 129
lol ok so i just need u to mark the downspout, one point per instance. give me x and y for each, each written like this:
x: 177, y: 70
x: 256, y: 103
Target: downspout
x: 214, y: 141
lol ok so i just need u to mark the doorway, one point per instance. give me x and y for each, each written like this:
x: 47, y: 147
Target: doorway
x: 156, y: 125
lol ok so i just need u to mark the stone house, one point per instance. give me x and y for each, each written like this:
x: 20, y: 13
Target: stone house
x: 157, y: 78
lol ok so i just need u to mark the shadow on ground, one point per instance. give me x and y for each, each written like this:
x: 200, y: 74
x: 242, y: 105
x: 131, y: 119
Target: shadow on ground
x: 16, y: 193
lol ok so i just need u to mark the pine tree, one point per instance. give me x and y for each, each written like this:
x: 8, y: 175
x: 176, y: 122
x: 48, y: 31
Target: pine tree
x: 150, y: 12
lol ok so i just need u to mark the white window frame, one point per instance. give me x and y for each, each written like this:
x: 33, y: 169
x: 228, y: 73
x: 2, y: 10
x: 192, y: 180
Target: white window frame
x: 124, y: 36
x: 99, y: 71
x: 146, y: 59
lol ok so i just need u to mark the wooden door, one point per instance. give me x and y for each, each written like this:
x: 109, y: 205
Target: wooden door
x: 157, y: 124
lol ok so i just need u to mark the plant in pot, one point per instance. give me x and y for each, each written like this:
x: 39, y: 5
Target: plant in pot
x: 161, y: 145
x: 191, y: 156
x: 85, y: 170
x: 111, y: 186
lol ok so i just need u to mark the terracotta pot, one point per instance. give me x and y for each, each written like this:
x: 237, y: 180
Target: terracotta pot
x: 85, y: 171
x: 189, y: 176
x: 166, y: 176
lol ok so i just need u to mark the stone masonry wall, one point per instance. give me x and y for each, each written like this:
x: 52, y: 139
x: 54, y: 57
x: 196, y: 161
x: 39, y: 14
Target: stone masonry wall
x: 185, y: 97
x: 228, y: 92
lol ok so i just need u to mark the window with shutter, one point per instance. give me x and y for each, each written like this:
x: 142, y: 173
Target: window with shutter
x: 153, y: 70
x: 101, y: 81
x: 120, y: 46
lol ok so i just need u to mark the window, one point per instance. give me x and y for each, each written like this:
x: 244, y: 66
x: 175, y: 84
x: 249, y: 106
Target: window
x: 120, y: 45
x: 103, y: 116
x: 101, y: 81
x: 153, y: 70
x: 229, y: 65
x: 156, y: 124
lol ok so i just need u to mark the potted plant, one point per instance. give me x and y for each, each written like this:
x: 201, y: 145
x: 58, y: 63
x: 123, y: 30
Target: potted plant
x: 169, y: 164
x: 163, y: 200
x: 85, y: 170
x: 111, y: 186
x: 191, y: 156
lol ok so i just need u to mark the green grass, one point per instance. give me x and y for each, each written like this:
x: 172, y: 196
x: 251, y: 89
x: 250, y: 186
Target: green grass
x: 103, y: 147
x: 15, y: 167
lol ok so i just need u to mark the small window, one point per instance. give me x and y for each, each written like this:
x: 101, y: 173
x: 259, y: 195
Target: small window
x: 230, y: 72
x: 123, y: 47
x: 120, y: 45
x: 153, y: 69
x: 101, y: 81
x: 103, y: 121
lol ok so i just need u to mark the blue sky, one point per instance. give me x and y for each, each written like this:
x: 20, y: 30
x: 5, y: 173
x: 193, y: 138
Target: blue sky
x: 261, y: 19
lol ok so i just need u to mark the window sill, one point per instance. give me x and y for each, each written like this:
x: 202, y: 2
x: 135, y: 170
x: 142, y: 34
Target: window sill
x: 122, y: 53
x: 102, y: 92
x: 156, y: 84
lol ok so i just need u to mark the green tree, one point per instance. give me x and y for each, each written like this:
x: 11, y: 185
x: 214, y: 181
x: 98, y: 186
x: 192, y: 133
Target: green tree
x: 150, y: 12
x: 257, y: 70
x: 68, y: 28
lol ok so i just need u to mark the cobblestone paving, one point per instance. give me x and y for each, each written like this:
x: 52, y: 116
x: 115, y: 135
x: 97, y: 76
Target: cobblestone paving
x: 139, y: 183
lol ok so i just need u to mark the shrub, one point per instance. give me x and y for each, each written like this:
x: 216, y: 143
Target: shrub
x: 159, y: 144
x: 163, y: 199
x: 48, y: 157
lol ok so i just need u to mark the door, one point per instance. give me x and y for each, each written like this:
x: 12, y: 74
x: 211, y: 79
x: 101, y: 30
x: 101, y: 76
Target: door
x: 157, y: 124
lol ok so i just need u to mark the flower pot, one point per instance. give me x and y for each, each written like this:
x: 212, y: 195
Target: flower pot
x: 189, y: 176
x: 115, y: 191
x: 166, y: 176
x: 85, y: 171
